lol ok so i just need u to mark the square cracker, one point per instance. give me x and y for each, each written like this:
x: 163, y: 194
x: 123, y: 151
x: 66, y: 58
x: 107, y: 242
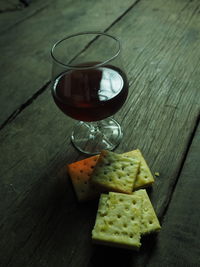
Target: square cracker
x: 122, y: 219
x: 144, y: 176
x: 118, y: 221
x: 115, y: 172
x: 80, y: 173
x: 149, y: 221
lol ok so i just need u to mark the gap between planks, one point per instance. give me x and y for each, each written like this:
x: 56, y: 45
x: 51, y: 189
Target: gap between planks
x: 190, y: 140
x: 45, y: 86
x: 24, y: 105
x: 25, y: 18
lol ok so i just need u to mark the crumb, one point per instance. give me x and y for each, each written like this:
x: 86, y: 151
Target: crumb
x: 157, y: 174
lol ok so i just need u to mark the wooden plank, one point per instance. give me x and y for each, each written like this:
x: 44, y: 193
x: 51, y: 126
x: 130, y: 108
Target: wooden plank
x: 42, y: 224
x: 14, y: 12
x: 26, y: 47
x: 12, y: 5
x: 181, y: 222
x: 163, y: 72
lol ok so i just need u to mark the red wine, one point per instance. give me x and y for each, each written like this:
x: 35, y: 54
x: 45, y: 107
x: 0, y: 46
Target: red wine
x: 91, y: 94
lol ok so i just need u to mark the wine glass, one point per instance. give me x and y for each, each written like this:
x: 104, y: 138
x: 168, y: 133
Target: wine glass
x: 89, y: 84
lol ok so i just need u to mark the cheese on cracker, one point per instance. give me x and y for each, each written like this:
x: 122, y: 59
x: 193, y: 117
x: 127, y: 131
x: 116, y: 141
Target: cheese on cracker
x: 80, y: 173
x: 115, y: 172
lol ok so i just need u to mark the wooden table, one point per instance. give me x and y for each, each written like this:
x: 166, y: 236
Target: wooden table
x: 41, y: 222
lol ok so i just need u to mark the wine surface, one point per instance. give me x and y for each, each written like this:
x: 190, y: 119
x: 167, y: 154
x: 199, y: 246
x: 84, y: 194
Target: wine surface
x: 91, y: 94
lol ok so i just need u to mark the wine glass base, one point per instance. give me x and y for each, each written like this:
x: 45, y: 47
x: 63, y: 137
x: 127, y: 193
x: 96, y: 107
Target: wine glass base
x: 93, y: 137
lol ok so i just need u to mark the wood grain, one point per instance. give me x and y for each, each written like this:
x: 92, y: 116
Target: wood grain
x: 25, y: 48
x: 14, y: 12
x: 10, y: 6
x: 181, y: 222
x: 164, y: 96
x: 42, y: 224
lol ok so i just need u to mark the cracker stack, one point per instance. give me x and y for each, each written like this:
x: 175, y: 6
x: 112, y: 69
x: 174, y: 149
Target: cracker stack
x: 122, y: 219
x: 118, y: 221
x: 125, y: 213
x: 115, y: 172
x: 80, y: 173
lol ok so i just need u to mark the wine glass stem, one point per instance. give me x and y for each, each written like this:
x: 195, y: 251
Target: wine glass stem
x: 93, y: 137
x: 94, y: 128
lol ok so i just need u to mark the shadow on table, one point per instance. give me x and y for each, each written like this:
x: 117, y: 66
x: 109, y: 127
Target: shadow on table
x: 103, y: 256
x: 106, y: 256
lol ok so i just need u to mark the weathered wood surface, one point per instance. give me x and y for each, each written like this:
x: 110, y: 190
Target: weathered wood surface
x: 14, y: 12
x: 178, y: 243
x: 41, y: 223
x: 8, y: 6
x: 25, y: 49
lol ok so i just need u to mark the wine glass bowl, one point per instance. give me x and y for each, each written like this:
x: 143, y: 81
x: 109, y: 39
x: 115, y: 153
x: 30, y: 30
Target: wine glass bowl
x: 90, y: 85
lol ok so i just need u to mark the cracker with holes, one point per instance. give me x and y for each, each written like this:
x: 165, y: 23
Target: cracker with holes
x: 149, y: 220
x: 118, y: 221
x: 144, y: 176
x: 122, y: 219
x: 80, y: 173
x: 115, y: 172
